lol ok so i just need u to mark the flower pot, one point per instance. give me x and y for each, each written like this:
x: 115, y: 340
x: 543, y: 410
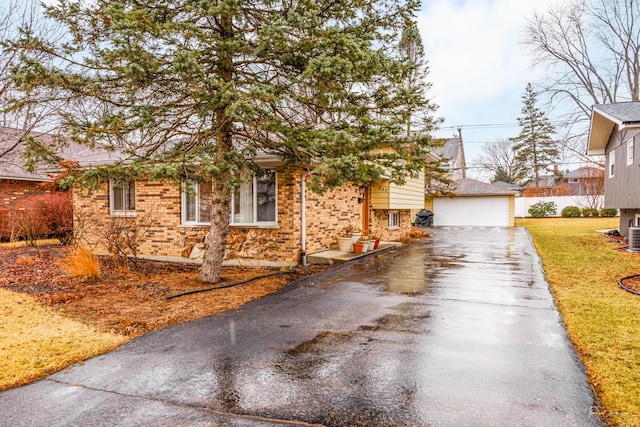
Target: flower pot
x: 345, y: 244
x: 372, y: 245
x: 365, y: 245
x: 357, y: 248
x: 355, y: 237
x: 376, y: 244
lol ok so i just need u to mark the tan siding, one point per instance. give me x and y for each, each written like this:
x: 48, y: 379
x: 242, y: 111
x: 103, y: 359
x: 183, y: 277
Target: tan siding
x: 408, y: 196
x: 512, y: 211
x: 428, y: 204
x: 380, y: 194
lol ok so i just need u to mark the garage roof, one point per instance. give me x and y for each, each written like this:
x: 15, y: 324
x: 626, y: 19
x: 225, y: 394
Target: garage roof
x: 470, y: 187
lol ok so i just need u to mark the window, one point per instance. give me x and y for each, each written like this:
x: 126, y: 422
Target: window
x: 612, y: 163
x: 394, y: 220
x: 254, y: 202
x: 630, y: 152
x: 122, y: 197
x: 196, y: 203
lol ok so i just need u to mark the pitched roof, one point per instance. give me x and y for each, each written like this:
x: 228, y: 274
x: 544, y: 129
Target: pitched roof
x: 584, y: 172
x: 450, y: 149
x: 12, y: 163
x: 604, y: 119
x: 471, y: 187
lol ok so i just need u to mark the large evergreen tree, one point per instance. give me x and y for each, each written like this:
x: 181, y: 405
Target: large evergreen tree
x: 534, y: 147
x: 192, y: 89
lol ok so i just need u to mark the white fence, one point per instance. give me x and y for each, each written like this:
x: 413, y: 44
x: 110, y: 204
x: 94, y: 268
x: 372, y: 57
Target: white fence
x: 524, y: 203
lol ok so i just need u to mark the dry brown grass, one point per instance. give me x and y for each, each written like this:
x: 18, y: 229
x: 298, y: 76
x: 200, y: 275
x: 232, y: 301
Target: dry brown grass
x: 603, y: 321
x: 35, y: 341
x: 82, y: 263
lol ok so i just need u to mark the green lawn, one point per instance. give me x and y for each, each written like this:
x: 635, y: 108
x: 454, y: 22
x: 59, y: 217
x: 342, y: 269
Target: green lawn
x: 603, y: 321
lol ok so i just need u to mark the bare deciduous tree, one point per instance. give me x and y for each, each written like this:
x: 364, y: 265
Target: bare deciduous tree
x: 500, y: 161
x: 592, y: 49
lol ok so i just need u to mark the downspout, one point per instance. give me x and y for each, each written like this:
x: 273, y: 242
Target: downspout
x: 303, y: 219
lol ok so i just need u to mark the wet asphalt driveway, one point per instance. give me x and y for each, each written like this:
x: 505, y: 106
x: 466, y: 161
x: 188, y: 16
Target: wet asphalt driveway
x: 457, y: 330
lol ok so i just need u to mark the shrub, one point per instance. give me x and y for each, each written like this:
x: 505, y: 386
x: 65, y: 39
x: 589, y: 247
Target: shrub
x: 82, y: 263
x: 609, y: 212
x: 590, y: 212
x: 44, y: 215
x: 543, y: 209
x: 570, y: 212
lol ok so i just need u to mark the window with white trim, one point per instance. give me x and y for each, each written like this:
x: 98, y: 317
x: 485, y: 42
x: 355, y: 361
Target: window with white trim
x: 630, y: 152
x: 122, y: 197
x: 196, y: 203
x: 394, y: 220
x: 255, y: 202
x: 612, y: 163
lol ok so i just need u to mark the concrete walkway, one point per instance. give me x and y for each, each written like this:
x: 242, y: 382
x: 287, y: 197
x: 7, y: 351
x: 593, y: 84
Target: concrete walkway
x: 458, y: 330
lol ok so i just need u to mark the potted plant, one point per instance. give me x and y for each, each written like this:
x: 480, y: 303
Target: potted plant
x: 345, y: 239
x: 358, y: 247
x: 374, y: 242
x: 365, y: 243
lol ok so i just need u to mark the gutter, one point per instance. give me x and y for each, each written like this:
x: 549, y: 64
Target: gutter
x: 303, y: 218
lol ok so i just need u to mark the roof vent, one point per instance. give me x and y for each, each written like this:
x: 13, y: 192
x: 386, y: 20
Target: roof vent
x: 634, y: 239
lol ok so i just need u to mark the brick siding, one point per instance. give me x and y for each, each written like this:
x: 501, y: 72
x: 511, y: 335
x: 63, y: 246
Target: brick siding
x: 158, y: 211
x: 14, y: 193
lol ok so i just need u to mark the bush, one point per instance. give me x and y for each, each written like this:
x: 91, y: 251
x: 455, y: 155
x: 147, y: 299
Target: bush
x: 543, y: 209
x: 570, y: 212
x: 44, y: 215
x: 82, y: 263
x: 609, y: 212
x: 590, y: 212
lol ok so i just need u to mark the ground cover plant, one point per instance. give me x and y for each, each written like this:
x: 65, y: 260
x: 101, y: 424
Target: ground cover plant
x: 603, y: 321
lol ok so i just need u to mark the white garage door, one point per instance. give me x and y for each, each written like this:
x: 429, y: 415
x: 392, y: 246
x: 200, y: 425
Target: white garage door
x: 471, y: 211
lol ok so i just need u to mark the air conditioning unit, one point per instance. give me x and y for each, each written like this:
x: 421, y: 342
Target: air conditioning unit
x: 634, y: 239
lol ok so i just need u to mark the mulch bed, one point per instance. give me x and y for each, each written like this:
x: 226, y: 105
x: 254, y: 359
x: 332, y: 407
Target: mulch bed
x: 630, y: 284
x: 132, y: 300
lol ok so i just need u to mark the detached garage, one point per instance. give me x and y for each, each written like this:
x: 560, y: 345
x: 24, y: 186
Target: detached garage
x: 475, y: 203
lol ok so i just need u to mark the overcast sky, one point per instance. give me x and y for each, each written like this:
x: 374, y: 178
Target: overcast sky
x: 478, y: 66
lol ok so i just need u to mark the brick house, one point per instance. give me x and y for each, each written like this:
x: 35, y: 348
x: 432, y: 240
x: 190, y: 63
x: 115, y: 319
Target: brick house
x: 17, y: 185
x: 270, y: 224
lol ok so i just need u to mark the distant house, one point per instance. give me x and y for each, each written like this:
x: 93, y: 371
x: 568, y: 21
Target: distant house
x: 615, y: 134
x: 17, y: 185
x: 585, y: 181
x: 452, y: 158
x: 274, y: 220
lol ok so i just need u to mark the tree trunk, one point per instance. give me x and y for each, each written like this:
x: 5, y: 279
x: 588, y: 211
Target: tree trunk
x: 217, y: 240
x: 221, y: 190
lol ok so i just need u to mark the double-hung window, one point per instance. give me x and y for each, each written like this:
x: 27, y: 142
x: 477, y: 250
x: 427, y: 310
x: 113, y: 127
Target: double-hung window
x: 394, y: 220
x: 196, y: 203
x: 255, y: 201
x: 122, y: 197
x: 612, y: 163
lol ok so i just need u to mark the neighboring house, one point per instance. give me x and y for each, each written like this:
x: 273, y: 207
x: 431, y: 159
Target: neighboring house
x: 475, y: 203
x: 508, y: 186
x: 452, y: 158
x: 17, y: 185
x: 585, y: 181
x: 615, y: 134
x: 275, y: 221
